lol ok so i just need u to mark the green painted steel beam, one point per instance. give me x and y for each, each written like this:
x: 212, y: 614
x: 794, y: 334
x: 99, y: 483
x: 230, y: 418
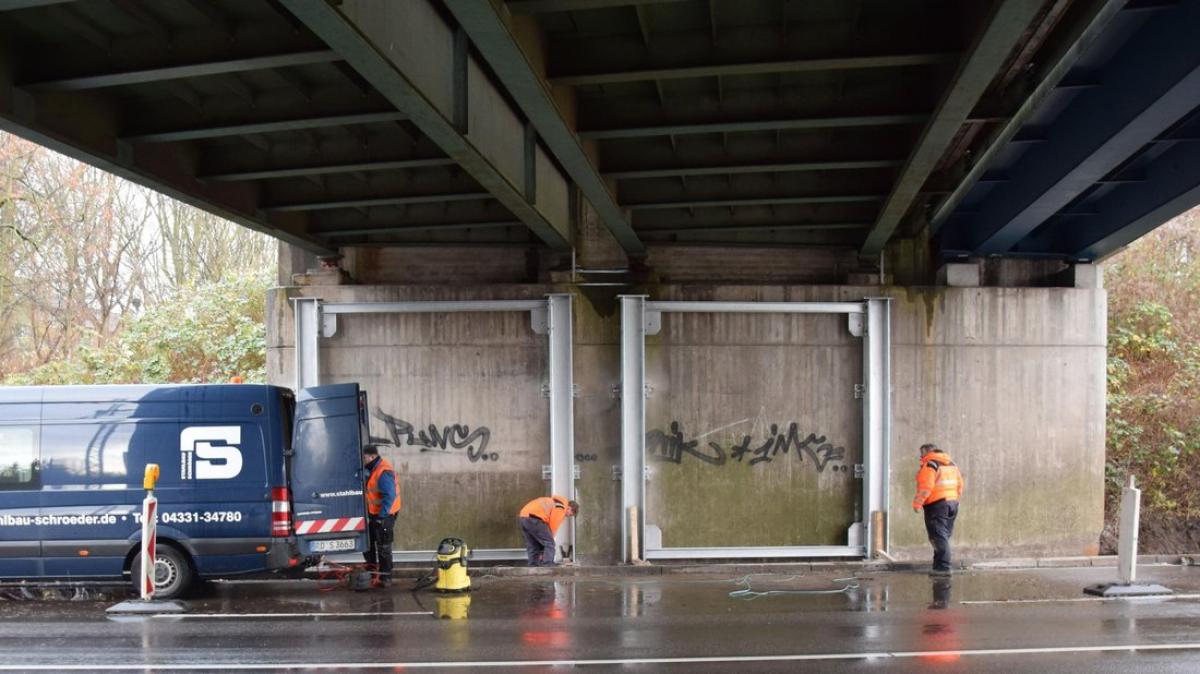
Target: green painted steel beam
x: 380, y: 67
x: 720, y: 229
x: 764, y: 201
x: 7, y: 5
x: 764, y: 125
x: 1002, y: 32
x: 329, y: 169
x: 499, y: 48
x: 166, y: 73
x: 382, y: 201
x: 789, y: 167
x: 761, y: 68
x: 277, y: 126
x: 404, y: 229
x: 549, y: 6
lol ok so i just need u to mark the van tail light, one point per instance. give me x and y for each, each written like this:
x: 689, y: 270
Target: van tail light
x: 281, y: 512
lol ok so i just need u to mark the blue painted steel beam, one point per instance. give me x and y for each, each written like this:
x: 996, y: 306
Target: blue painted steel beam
x: 1150, y: 84
x: 1008, y: 23
x: 1172, y: 186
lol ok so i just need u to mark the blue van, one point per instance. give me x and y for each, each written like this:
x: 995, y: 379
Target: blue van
x: 253, y: 478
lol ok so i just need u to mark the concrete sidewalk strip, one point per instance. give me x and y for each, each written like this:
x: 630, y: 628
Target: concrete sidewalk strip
x: 785, y: 568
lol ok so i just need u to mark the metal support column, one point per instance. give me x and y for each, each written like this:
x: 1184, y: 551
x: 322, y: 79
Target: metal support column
x: 877, y: 421
x: 307, y: 316
x: 315, y: 319
x: 869, y: 319
x: 633, y: 423
x: 562, y: 415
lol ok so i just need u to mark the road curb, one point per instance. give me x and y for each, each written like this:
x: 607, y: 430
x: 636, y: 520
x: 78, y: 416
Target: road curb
x: 784, y: 568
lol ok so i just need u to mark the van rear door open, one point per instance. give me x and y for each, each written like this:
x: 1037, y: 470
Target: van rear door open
x: 329, y: 513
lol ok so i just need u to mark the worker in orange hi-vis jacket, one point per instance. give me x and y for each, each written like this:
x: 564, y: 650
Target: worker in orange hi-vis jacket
x: 539, y: 521
x: 939, y: 488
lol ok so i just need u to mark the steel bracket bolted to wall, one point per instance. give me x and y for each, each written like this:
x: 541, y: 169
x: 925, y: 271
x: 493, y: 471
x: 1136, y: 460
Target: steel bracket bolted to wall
x: 316, y: 319
x: 869, y: 319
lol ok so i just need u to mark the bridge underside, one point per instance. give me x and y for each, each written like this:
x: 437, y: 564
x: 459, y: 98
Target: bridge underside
x: 1034, y: 128
x: 745, y: 152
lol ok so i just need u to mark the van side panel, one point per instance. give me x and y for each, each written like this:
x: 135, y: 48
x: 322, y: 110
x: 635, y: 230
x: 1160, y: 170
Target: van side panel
x: 20, y: 479
x: 212, y: 445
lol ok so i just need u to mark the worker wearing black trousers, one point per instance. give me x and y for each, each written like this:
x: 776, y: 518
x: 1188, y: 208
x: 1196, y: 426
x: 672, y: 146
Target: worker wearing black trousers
x: 382, y: 490
x: 939, y: 488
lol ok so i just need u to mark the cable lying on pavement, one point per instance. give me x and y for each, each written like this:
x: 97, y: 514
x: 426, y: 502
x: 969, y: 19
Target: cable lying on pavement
x: 748, y: 592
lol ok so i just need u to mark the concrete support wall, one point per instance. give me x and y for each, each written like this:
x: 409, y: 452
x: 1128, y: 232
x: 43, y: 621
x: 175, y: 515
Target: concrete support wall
x: 1010, y: 381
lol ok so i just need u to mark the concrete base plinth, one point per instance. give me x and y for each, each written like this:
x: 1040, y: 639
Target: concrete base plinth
x: 1122, y: 590
x: 140, y: 607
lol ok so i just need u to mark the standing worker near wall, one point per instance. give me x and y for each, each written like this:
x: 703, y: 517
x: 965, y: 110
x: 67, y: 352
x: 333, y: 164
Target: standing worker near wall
x: 539, y: 521
x: 383, y: 502
x: 939, y: 488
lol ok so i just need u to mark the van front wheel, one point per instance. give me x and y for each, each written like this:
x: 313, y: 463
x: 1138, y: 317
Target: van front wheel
x: 172, y: 573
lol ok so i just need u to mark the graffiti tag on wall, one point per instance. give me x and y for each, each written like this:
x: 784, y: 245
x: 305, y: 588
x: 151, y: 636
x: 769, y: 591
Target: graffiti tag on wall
x: 434, y: 439
x: 672, y: 446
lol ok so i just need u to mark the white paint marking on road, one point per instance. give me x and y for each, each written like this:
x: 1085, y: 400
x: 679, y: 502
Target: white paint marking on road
x: 318, y: 614
x: 168, y: 667
x: 1159, y: 597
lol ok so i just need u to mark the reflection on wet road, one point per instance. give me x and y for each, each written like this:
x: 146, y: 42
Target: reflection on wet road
x: 975, y: 621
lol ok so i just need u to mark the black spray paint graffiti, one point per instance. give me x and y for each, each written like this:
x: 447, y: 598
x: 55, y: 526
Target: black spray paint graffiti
x: 433, y: 439
x: 672, y: 447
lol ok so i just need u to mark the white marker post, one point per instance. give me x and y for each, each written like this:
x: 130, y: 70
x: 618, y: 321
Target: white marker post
x: 149, y: 522
x: 1127, y: 550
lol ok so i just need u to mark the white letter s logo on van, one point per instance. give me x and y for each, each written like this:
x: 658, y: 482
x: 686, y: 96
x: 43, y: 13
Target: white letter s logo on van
x: 200, y: 459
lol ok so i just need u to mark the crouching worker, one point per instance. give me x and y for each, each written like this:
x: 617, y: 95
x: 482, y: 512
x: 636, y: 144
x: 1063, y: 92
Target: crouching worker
x: 383, y: 502
x: 539, y: 521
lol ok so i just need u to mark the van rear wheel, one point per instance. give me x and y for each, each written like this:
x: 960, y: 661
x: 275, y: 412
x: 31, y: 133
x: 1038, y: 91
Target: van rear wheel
x: 172, y: 573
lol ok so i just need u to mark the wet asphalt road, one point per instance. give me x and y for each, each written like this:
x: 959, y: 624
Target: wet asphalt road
x: 892, y: 622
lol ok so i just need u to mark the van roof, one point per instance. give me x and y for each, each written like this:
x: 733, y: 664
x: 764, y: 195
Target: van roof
x: 135, y: 393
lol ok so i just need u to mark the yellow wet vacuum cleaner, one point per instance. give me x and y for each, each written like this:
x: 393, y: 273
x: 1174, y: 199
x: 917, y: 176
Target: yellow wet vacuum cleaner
x: 452, y: 556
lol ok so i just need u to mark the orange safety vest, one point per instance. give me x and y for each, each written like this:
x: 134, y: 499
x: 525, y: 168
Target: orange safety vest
x: 550, y: 509
x: 939, y: 478
x: 374, y: 495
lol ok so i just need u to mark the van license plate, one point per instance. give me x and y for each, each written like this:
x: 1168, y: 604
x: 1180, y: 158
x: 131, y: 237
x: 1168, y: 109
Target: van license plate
x: 334, y: 545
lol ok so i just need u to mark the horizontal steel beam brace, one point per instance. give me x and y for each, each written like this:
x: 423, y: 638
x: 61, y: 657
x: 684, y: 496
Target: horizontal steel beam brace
x: 499, y: 48
x: 264, y: 127
x: 548, y: 6
x: 717, y: 229
x: 163, y: 74
x: 451, y: 306
x: 383, y: 201
x: 767, y: 201
x: 760, y: 552
x: 1100, y: 129
x: 1002, y: 33
x: 760, y: 68
x: 1062, y: 64
x: 766, y: 125
x: 7, y: 5
x: 383, y: 67
x: 791, y: 167
x: 402, y: 229
x: 356, y: 167
x: 757, y: 307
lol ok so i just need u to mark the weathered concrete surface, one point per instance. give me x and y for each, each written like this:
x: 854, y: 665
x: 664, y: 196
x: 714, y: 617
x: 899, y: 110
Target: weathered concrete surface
x: 459, y: 398
x: 753, y: 430
x: 1009, y: 380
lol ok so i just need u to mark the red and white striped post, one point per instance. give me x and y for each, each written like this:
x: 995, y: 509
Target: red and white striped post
x: 149, y: 522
